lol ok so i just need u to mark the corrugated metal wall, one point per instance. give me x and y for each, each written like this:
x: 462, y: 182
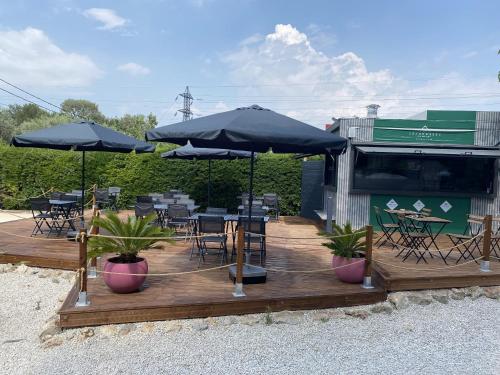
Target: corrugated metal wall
x: 487, y: 134
x: 352, y: 207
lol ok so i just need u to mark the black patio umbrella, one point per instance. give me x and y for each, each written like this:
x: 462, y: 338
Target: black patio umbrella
x: 188, y: 152
x: 253, y: 129
x: 81, y: 136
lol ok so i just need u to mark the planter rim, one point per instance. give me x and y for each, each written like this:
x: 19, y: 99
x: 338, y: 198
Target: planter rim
x: 113, y: 260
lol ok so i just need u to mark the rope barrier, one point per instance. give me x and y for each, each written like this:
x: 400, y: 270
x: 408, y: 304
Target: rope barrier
x: 428, y: 269
x: 168, y: 273
x: 309, y: 271
x: 44, y: 193
x: 401, y: 247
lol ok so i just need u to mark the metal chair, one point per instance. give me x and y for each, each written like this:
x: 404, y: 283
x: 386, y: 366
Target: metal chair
x: 212, y: 231
x: 41, y: 211
x: 473, y: 227
x: 144, y: 199
x: 102, y: 198
x: 495, y: 239
x: 271, y: 200
x: 255, y: 233
x: 114, y: 195
x: 143, y: 209
x: 388, y: 229
x: 413, y: 242
x: 256, y: 211
x: 178, y: 218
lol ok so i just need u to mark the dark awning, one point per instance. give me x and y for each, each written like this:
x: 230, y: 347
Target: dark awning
x: 189, y: 152
x: 430, y: 151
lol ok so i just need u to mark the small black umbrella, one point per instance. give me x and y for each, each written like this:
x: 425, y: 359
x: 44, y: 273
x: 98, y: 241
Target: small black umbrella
x: 81, y: 136
x: 254, y: 129
x: 188, y: 152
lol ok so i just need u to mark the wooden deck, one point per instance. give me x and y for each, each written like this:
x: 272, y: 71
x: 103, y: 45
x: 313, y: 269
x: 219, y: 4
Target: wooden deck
x: 210, y: 293
x: 397, y: 275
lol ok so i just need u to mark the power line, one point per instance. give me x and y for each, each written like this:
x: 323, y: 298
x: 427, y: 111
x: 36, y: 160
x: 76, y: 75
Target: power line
x: 27, y: 100
x: 33, y: 95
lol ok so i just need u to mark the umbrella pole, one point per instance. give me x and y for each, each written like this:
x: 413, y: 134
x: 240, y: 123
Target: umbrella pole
x: 82, y: 221
x: 209, y: 179
x: 250, y: 203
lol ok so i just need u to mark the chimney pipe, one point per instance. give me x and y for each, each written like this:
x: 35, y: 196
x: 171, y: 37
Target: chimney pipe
x: 372, y: 111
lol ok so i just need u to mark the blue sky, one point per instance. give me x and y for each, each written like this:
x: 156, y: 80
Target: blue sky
x: 311, y: 60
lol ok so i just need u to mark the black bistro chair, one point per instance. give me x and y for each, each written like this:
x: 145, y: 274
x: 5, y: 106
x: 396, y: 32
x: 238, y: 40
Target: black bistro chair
x: 255, y: 232
x: 144, y: 209
x: 271, y: 200
x: 216, y: 211
x: 388, y: 229
x: 211, y: 230
x: 178, y: 218
x: 41, y: 211
x: 144, y: 199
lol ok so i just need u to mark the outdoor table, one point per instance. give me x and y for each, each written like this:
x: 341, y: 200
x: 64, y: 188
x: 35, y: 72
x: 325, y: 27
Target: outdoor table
x: 242, y: 207
x: 427, y: 222
x: 401, y: 211
x: 63, y: 208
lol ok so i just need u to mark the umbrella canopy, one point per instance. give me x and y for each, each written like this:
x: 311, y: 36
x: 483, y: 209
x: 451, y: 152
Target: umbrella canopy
x: 250, y: 128
x: 81, y: 136
x: 189, y: 152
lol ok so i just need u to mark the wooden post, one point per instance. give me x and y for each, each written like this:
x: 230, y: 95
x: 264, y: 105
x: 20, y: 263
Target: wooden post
x: 367, y: 279
x: 82, y: 262
x: 485, y: 262
x: 95, y: 230
x: 240, y: 244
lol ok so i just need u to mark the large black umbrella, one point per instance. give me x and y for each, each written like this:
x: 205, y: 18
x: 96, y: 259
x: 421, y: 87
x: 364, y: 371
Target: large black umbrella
x: 81, y: 136
x: 188, y: 152
x: 254, y: 129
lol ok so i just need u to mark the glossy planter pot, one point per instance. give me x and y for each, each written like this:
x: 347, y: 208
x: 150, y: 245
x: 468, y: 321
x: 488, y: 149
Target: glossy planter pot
x: 125, y: 283
x: 353, y: 269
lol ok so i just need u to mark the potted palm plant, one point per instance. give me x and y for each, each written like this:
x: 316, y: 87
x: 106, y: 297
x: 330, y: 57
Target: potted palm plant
x: 348, y: 247
x: 127, y: 271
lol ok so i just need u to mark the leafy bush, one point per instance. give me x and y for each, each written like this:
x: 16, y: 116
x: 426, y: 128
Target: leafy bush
x: 26, y: 172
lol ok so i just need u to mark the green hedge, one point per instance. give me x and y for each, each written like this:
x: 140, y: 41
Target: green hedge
x: 27, y: 172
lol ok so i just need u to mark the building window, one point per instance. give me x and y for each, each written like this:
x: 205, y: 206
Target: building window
x: 408, y: 173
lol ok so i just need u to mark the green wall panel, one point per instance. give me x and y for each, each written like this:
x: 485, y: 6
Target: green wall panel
x: 425, y: 131
x: 451, y: 115
x: 460, y: 207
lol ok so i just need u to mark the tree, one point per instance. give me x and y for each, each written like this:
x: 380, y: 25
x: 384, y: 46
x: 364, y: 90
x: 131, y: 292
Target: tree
x: 25, y: 112
x: 45, y: 121
x: 134, y: 125
x: 83, y: 109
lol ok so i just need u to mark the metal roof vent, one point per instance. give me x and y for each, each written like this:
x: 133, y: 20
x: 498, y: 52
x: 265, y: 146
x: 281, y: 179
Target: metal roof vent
x: 372, y: 110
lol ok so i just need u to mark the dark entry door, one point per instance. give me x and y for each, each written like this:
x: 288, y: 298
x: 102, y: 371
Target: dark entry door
x: 312, y: 188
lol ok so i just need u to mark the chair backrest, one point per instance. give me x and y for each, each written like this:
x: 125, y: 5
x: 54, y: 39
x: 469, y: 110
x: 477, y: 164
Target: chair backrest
x: 168, y: 195
x: 144, y: 209
x: 144, y: 199
x: 188, y: 202
x: 69, y: 197
x: 216, y: 211
x: 270, y: 200
x: 378, y: 215
x: 114, y: 190
x: 181, y: 196
x: 175, y: 211
x: 496, y: 222
x: 256, y: 211
x: 175, y: 191
x: 40, y: 204
x: 257, y: 224
x: 474, y: 224
x: 101, y: 195
x: 256, y: 202
x: 211, y: 224
x: 56, y: 195
x: 77, y: 192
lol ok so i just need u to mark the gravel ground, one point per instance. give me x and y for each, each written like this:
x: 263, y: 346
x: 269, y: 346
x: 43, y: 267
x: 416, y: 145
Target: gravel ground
x: 459, y: 337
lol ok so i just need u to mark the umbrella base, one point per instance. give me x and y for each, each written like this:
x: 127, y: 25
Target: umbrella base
x: 251, y: 274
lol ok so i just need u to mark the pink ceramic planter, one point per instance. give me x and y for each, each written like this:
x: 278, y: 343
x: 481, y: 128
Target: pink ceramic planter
x: 352, y: 272
x: 125, y: 283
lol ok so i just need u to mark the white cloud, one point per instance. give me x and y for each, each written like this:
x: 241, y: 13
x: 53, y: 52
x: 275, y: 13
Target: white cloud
x: 134, y: 69
x: 286, y: 73
x: 470, y: 54
x: 108, y: 17
x: 28, y: 57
